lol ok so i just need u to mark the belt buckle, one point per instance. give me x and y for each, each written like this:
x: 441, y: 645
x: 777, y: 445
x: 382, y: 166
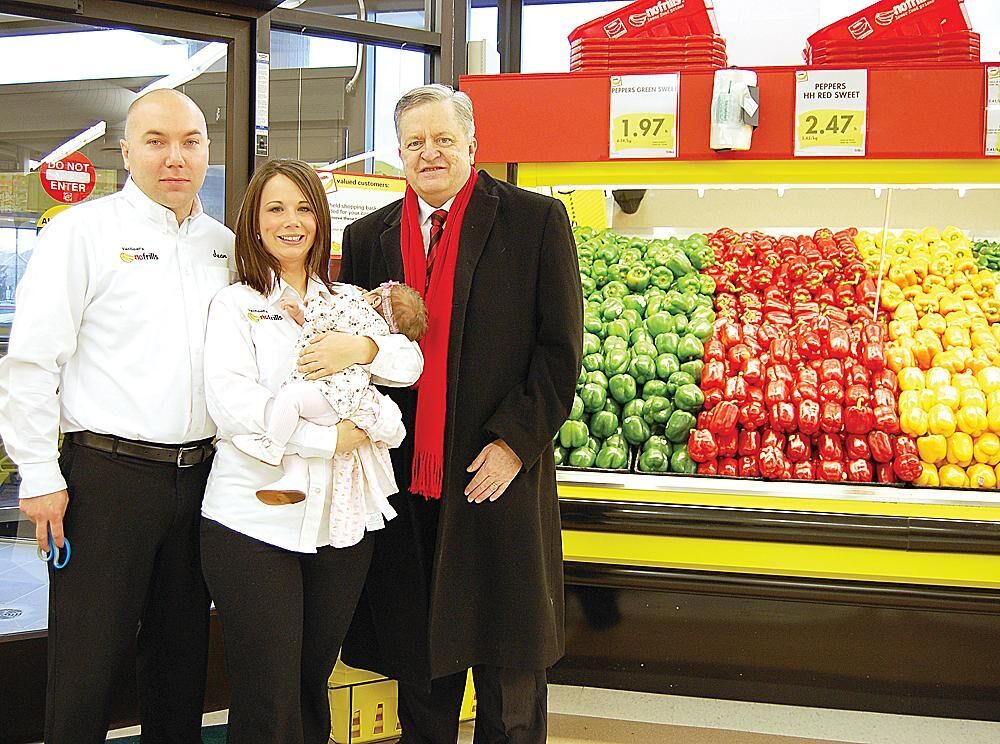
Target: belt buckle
x: 180, y: 456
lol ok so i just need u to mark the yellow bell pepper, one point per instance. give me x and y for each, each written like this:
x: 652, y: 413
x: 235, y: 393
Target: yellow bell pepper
x: 958, y: 319
x: 892, y: 296
x: 913, y: 421
x: 964, y: 381
x: 935, y: 377
x: 991, y: 309
x: 966, y: 264
x: 956, y: 336
x: 925, y: 303
x: 972, y: 420
x: 931, y: 341
x: 972, y: 396
x: 973, y: 309
x: 910, y: 378
x: 949, y: 304
x: 989, y: 380
x: 984, y: 339
x: 993, y: 419
x: 933, y: 322
x: 981, y: 476
x: 928, y: 399
x: 928, y: 477
x: 911, y: 292
x: 933, y: 281
x: 911, y: 399
x: 949, y: 360
x: 960, y: 449
x: 953, y: 476
x: 932, y: 448
x: 897, y: 358
x: 941, y: 420
x: 948, y: 395
x: 986, y: 449
x: 902, y: 328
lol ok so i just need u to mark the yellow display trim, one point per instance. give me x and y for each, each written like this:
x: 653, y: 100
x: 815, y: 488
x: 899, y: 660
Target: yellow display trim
x: 784, y: 559
x: 786, y: 503
x: 832, y: 171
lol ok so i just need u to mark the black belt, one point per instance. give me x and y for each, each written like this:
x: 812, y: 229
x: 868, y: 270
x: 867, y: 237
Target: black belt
x: 183, y: 455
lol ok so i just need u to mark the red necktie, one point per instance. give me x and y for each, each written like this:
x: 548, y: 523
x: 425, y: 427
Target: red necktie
x: 437, y: 229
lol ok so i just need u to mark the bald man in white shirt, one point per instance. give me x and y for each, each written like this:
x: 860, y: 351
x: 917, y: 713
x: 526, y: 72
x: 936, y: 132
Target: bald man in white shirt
x: 107, y: 346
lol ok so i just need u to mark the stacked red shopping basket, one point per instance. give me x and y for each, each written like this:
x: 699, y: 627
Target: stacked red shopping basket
x: 892, y: 31
x: 662, y: 34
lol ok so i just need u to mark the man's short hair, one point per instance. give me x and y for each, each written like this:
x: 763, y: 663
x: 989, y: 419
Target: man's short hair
x: 437, y: 93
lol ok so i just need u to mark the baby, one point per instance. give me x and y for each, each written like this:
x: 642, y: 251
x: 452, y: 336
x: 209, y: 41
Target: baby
x: 363, y: 479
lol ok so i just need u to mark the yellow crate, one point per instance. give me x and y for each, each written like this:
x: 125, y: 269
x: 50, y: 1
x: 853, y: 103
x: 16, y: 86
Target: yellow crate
x: 363, y: 706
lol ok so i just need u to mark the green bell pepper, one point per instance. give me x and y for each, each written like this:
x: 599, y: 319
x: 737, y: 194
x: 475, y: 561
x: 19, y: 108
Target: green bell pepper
x: 576, y: 410
x: 615, y: 362
x: 635, y: 430
x: 614, y: 342
x: 690, y: 347
x: 654, y: 460
x: 597, y: 377
x: 653, y: 388
x: 582, y: 457
x: 694, y: 368
x: 603, y: 424
x: 573, y: 434
x: 681, y: 323
x: 559, y: 453
x: 614, y: 406
x: 657, y: 410
x: 634, y: 407
x: 644, y: 348
x: 615, y: 290
x: 666, y: 365
x: 622, y: 388
x: 678, y: 426
x: 642, y: 369
x: 701, y: 328
x: 591, y: 344
x: 587, y: 284
x: 659, y: 323
x: 676, y: 381
x: 592, y: 323
x: 635, y: 302
x: 688, y: 398
x: 661, y: 277
x: 681, y: 462
x: 706, y: 284
x: 654, y: 303
x: 612, y: 308
x: 679, y: 263
x: 637, y: 278
x: 618, y: 327
x: 632, y: 318
x: 611, y: 458
x: 593, y: 361
x: 688, y: 283
x: 679, y: 304
x: 659, y: 441
x: 666, y: 343
x: 593, y: 397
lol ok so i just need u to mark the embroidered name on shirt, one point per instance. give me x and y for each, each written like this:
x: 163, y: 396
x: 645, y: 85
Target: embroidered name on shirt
x: 256, y: 316
x: 130, y: 253
x: 216, y: 254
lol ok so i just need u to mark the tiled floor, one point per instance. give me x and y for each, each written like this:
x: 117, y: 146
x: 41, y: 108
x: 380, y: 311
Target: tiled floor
x: 24, y: 595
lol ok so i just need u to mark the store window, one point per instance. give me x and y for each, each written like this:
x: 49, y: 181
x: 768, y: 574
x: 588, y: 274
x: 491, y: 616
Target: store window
x: 48, y: 103
x: 325, y: 108
x: 405, y: 13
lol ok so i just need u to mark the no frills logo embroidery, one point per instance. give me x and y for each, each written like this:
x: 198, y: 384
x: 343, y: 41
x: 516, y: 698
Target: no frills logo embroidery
x: 256, y: 316
x: 132, y: 253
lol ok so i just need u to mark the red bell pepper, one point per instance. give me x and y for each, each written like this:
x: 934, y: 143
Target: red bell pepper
x: 854, y: 395
x: 856, y: 374
x: 726, y: 442
x: 809, y: 413
x: 753, y: 371
x: 736, y: 389
x: 881, y: 447
x: 866, y: 291
x: 712, y: 399
x: 724, y: 417
x: 856, y: 447
x: 873, y: 333
x: 883, y: 397
x: 713, y: 376
x: 829, y: 447
x: 702, y: 446
x: 886, y: 419
x: 904, y: 445
x: 809, y: 345
x: 831, y: 391
x: 831, y: 470
x: 859, y: 471
x: 748, y: 467
x: 749, y: 443
x: 799, y: 448
x: 804, y: 391
x: 858, y: 419
x: 907, y: 467
x: 777, y: 391
x: 886, y: 378
x: 753, y: 415
x: 771, y: 438
x: 729, y: 334
x: 838, y: 343
x: 873, y: 356
x: 755, y: 394
x: 714, y: 351
x: 737, y: 355
x: 831, y: 417
x: 729, y: 466
x: 831, y: 369
x: 771, y: 462
x: 710, y: 467
x: 885, y: 474
x: 804, y: 471
x: 782, y: 416
x: 808, y: 376
x: 703, y: 419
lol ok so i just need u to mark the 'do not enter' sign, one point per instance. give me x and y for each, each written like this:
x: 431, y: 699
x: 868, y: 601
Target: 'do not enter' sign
x: 69, y: 180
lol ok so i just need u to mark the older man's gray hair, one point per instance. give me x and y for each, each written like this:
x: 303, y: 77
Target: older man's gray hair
x: 437, y: 93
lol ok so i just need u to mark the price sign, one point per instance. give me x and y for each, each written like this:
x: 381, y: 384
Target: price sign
x: 644, y: 116
x: 830, y: 112
x: 993, y: 111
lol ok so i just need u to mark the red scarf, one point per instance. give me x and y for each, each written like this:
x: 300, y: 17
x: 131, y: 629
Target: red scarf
x: 432, y: 392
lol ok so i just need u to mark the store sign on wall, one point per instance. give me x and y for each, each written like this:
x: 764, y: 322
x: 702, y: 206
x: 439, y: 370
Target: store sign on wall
x: 644, y: 116
x: 993, y: 111
x: 831, y: 108
x: 69, y: 180
x: 353, y: 195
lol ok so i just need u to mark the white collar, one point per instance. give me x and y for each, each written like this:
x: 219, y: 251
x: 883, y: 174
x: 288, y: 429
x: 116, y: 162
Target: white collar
x: 315, y: 288
x: 426, y: 210
x: 153, y: 210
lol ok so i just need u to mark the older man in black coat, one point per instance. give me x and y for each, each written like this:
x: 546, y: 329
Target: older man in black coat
x: 473, y: 578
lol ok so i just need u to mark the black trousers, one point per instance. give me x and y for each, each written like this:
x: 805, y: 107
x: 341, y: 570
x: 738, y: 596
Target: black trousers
x: 284, y: 617
x: 134, y: 579
x: 511, y: 707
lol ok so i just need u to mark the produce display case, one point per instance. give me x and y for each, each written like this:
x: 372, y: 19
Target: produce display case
x: 856, y: 595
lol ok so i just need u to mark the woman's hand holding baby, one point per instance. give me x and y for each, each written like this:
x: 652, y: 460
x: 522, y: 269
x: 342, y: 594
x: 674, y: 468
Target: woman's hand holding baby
x: 332, y: 352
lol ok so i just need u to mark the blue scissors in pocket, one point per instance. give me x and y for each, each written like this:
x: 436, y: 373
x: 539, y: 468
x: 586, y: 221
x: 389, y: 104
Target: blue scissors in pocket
x: 58, y: 558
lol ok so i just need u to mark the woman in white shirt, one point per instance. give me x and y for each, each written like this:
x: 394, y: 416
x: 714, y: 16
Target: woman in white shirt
x: 285, y: 597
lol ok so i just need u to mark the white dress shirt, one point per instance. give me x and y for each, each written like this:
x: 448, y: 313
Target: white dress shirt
x: 249, y: 353
x: 426, y: 210
x: 111, y: 312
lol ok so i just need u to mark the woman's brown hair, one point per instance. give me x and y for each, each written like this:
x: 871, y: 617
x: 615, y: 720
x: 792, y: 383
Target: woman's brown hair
x: 255, y: 266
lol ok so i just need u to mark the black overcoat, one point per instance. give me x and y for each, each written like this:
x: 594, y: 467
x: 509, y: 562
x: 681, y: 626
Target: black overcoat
x: 453, y: 584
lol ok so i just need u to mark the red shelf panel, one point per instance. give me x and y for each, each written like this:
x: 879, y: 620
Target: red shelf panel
x: 922, y: 112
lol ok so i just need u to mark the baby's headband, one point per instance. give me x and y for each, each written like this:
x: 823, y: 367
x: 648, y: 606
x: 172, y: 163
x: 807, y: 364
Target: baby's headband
x: 385, y: 290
